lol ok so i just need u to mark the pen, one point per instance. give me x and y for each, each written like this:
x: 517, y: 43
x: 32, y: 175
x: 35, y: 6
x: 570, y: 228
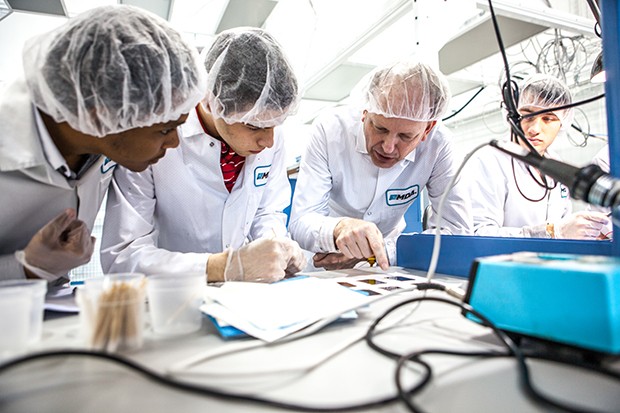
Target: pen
x: 371, y: 260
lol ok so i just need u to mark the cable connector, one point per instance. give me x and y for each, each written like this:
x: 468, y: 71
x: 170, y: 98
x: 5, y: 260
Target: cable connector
x: 456, y: 292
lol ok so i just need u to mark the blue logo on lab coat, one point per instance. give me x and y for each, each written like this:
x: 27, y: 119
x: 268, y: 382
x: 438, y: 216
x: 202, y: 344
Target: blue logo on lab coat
x: 563, y: 191
x: 395, y: 197
x: 261, y: 174
x: 107, y: 165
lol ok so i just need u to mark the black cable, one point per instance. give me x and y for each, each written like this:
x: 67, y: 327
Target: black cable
x: 544, y: 184
x: 517, y: 131
x: 510, y: 90
x: 371, y: 330
x: 406, y: 394
x: 465, y: 105
x: 576, y: 126
x: 190, y: 387
x: 587, y: 135
x: 567, y: 106
x: 513, y: 351
x: 515, y: 124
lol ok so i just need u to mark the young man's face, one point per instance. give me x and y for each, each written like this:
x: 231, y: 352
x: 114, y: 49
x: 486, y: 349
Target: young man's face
x: 540, y: 130
x: 390, y: 140
x: 244, y: 138
x: 138, y: 148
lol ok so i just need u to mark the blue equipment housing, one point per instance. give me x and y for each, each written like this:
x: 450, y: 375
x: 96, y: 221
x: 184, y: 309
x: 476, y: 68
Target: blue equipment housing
x: 565, y: 298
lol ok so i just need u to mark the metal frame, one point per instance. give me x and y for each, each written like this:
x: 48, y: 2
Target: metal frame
x: 610, y: 14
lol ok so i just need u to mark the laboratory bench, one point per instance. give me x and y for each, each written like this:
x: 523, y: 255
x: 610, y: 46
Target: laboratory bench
x: 351, y: 372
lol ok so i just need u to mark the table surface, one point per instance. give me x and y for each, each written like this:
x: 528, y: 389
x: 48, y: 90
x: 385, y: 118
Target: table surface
x: 283, y: 371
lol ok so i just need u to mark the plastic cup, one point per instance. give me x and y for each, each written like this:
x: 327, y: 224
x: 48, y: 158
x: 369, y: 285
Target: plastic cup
x: 112, y: 311
x: 174, y: 302
x: 21, y: 302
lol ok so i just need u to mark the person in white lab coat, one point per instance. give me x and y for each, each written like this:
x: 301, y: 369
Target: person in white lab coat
x: 364, y: 166
x: 510, y: 198
x: 226, y: 183
x: 109, y: 86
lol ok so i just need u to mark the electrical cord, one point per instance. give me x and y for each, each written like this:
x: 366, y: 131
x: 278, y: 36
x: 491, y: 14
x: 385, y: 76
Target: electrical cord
x: 307, y: 365
x: 465, y: 105
x: 561, y: 55
x: 520, y: 356
x: 167, y: 380
x: 576, y: 126
x: 191, y: 387
x: 518, y: 134
x: 562, y: 107
x: 432, y: 266
x: 588, y: 134
x: 309, y: 330
x: 544, y: 184
x: 510, y: 91
x: 406, y: 394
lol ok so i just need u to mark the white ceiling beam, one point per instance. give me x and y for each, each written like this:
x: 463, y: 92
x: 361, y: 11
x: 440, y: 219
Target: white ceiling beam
x: 385, y: 21
x: 541, y: 15
x: 52, y: 7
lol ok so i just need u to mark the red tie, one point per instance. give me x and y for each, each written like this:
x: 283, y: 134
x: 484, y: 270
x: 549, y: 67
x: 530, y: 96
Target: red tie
x: 230, y: 163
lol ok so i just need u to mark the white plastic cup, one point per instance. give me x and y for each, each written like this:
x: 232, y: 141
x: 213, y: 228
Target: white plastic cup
x: 21, y: 302
x: 174, y: 302
x: 112, y: 311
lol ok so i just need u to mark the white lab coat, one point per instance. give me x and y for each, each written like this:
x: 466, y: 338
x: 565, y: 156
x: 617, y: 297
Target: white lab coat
x: 33, y: 193
x: 172, y: 216
x: 498, y: 207
x: 338, y: 179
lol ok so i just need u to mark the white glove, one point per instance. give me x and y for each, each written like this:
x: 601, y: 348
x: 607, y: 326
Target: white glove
x: 61, y: 245
x: 357, y: 238
x: 265, y: 260
x: 581, y: 225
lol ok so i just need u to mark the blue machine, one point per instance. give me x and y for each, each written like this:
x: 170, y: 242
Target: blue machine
x: 565, y: 298
x: 458, y: 252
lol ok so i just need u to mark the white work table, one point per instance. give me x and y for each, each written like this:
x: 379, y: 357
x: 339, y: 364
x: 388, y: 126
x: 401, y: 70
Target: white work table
x: 356, y: 375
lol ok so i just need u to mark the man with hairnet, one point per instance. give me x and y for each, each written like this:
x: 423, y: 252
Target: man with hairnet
x: 512, y: 199
x: 215, y: 204
x: 364, y: 166
x: 109, y: 86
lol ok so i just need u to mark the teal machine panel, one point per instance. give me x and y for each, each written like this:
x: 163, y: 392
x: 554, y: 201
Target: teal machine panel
x: 565, y: 298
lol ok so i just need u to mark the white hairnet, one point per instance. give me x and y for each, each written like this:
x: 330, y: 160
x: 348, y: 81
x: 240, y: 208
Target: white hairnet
x: 408, y: 90
x: 542, y: 91
x: 111, y: 69
x: 249, y: 79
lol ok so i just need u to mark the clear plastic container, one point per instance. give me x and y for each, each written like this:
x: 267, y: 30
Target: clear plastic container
x: 112, y: 311
x: 174, y: 302
x: 21, y: 302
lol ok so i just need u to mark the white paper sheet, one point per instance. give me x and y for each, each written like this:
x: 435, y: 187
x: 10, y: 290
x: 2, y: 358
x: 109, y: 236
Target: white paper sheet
x: 272, y: 311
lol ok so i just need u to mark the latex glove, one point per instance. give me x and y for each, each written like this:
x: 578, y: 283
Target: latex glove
x: 334, y: 261
x: 297, y: 259
x: 581, y: 225
x: 265, y: 260
x: 607, y: 231
x: 357, y: 238
x: 61, y: 245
